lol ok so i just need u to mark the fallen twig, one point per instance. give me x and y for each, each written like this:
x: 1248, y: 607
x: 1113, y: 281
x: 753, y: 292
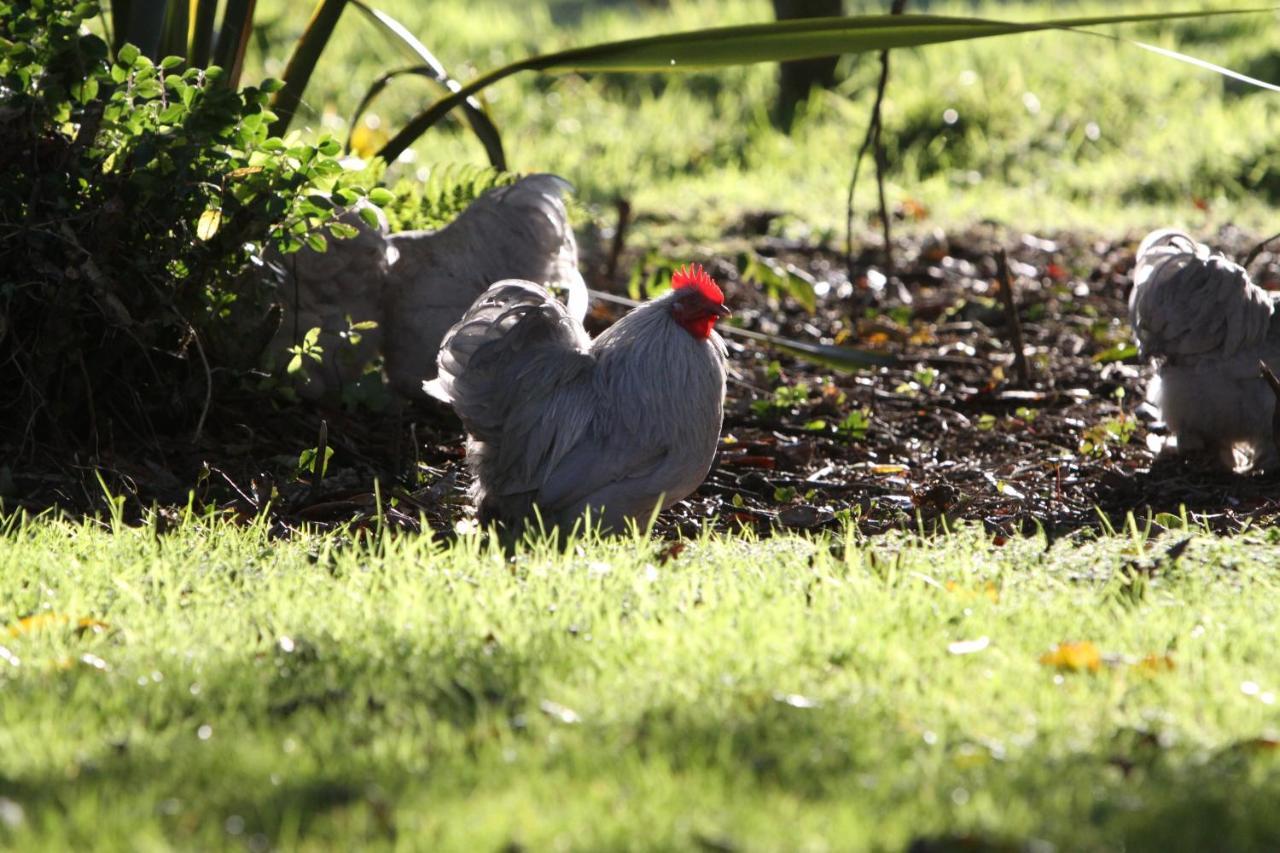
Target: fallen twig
x: 1015, y: 324
x: 1275, y: 389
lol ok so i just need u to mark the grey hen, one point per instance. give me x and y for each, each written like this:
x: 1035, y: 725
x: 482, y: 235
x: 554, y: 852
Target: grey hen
x: 561, y: 426
x: 519, y: 231
x: 1207, y: 326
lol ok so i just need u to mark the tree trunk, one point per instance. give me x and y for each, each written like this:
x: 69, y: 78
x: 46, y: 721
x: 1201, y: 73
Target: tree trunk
x: 797, y: 79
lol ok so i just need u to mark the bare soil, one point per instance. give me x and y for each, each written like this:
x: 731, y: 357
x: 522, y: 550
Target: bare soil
x: 951, y: 431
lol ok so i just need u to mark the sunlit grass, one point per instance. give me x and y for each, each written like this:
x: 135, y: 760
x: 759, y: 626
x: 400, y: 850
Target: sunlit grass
x: 321, y: 692
x: 1050, y: 130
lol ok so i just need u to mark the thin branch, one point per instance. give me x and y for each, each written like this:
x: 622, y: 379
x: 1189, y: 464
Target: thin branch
x: 1257, y: 250
x: 853, y: 183
x: 873, y: 138
x: 208, y: 385
x: 619, y: 239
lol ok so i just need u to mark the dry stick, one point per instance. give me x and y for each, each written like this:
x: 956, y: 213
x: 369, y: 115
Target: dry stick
x: 872, y: 137
x: 619, y: 239
x: 1257, y: 250
x: 1275, y: 389
x: 1015, y: 325
x: 208, y: 385
x: 882, y: 167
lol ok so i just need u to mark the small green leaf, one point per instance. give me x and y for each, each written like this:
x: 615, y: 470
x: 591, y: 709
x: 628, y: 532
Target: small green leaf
x: 343, y: 231
x: 381, y: 196
x: 370, y: 216
x: 128, y: 55
x: 86, y: 90
x: 308, y: 458
x: 171, y: 62
x: 1119, y: 352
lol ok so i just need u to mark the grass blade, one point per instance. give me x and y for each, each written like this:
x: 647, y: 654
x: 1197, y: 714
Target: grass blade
x: 777, y: 41
x: 1200, y: 63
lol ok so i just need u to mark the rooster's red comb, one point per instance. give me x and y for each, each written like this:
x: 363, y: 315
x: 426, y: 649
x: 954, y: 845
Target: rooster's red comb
x: 694, y: 275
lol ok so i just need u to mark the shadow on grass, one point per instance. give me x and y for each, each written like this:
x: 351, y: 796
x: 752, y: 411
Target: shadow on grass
x: 405, y: 726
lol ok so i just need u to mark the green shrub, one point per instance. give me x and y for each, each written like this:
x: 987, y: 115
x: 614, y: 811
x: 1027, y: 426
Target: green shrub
x: 132, y: 196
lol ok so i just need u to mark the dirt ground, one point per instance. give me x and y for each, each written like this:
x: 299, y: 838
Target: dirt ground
x: 951, y: 430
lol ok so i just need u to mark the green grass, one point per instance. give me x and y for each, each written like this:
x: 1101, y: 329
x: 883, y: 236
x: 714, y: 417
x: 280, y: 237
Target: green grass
x: 1051, y: 130
x: 340, y: 692
x: 317, y: 692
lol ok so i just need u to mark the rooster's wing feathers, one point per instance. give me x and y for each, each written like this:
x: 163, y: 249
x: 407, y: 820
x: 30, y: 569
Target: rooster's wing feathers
x: 516, y: 369
x: 1187, y: 302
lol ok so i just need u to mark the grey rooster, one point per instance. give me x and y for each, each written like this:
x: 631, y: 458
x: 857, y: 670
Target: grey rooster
x: 519, y: 231
x: 561, y: 426
x: 1207, y: 326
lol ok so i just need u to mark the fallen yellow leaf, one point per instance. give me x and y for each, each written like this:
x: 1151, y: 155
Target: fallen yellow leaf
x: 964, y: 593
x: 44, y: 621
x: 1073, y: 657
x: 1153, y: 664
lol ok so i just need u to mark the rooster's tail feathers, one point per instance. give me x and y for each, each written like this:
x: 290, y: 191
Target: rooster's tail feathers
x: 514, y: 336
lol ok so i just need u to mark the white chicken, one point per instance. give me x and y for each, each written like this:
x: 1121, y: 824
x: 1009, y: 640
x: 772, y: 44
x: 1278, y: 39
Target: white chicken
x: 561, y: 427
x: 416, y: 284
x: 519, y: 231
x: 333, y: 291
x: 1207, y: 326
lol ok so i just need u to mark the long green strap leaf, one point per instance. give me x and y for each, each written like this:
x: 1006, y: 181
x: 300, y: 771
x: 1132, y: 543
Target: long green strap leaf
x: 144, y: 27
x: 428, y: 66
x: 836, y: 357
x: 302, y: 62
x: 777, y: 41
x: 203, y: 16
x: 233, y: 39
x: 176, y: 23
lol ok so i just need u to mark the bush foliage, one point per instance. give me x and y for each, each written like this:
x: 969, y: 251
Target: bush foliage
x: 132, y: 196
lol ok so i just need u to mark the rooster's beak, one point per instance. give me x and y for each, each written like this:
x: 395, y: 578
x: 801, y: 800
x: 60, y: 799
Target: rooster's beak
x: 721, y: 311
